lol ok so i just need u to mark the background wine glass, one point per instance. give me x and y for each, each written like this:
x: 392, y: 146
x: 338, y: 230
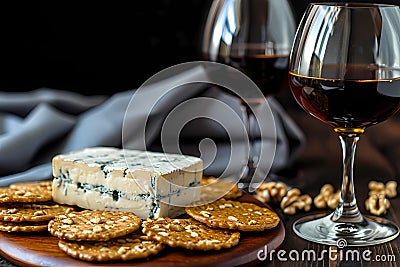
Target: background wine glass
x: 345, y: 71
x: 255, y: 37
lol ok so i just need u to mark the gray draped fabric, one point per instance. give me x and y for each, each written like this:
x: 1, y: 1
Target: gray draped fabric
x: 35, y: 126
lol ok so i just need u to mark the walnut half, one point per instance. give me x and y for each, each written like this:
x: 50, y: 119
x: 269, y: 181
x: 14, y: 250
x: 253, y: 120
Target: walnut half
x: 294, y: 201
x: 377, y: 204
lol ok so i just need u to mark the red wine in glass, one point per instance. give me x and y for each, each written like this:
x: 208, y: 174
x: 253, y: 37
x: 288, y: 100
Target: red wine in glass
x: 348, y: 104
x: 268, y: 72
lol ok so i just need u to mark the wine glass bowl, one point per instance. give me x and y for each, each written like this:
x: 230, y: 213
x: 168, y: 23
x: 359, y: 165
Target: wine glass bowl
x: 255, y: 37
x: 345, y: 71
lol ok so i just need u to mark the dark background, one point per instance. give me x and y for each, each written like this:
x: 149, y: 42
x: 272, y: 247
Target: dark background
x: 98, y: 47
x: 102, y: 47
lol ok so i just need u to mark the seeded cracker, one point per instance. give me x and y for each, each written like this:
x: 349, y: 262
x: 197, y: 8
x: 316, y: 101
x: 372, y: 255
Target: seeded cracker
x: 31, y: 212
x: 213, y: 189
x: 8, y: 195
x: 236, y: 215
x: 132, y: 246
x: 189, y: 234
x: 23, y: 226
x: 43, y: 186
x: 94, y: 225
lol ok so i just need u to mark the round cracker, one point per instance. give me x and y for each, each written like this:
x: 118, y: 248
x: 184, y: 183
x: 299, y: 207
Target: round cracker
x: 235, y: 215
x: 39, y: 185
x: 94, y: 225
x: 32, y: 212
x: 213, y: 189
x: 23, y: 226
x: 8, y: 195
x: 189, y: 234
x: 132, y: 246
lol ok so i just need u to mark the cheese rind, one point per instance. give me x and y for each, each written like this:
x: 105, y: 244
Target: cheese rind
x: 150, y: 184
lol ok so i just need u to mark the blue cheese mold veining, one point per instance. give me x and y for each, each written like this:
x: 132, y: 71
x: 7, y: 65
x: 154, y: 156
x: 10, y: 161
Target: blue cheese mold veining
x: 151, y: 184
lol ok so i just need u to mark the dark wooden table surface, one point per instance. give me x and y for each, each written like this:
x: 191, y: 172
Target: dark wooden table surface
x: 319, y: 162
x: 387, y: 254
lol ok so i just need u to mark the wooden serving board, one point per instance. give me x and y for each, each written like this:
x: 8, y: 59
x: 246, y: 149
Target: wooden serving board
x: 41, y: 249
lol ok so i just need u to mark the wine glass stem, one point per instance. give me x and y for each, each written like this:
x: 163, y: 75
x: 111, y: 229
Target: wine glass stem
x: 253, y: 156
x: 347, y: 210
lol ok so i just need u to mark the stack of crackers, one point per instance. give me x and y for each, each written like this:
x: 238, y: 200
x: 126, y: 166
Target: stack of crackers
x: 28, y: 207
x: 103, y: 235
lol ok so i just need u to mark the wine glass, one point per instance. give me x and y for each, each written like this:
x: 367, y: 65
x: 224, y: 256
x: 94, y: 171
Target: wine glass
x: 255, y: 37
x: 345, y: 71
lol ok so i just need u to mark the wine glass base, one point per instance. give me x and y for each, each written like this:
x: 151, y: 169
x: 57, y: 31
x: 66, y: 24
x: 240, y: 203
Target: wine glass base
x: 371, y: 231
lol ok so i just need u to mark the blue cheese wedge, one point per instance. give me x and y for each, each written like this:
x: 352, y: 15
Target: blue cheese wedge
x: 150, y: 184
